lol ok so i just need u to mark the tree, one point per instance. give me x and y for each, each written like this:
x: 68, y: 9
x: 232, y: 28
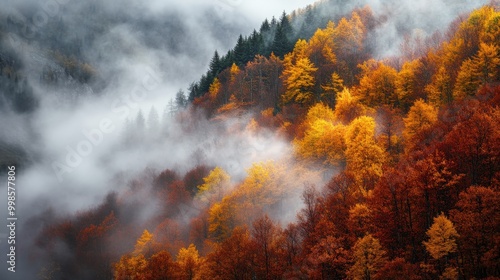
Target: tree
x: 215, y: 65
x: 487, y: 63
x: 131, y: 267
x: 349, y: 38
x: 332, y: 89
x: 232, y: 258
x: 467, y: 82
x: 140, y: 123
x: 161, y: 266
x: 442, y: 238
x: 408, y: 83
x: 378, y: 84
x: 214, y: 185
x: 369, y: 258
x: 476, y: 220
x: 323, y: 141
x: 153, y: 120
x: 188, y: 261
x: 298, y: 76
x: 348, y: 107
x: 180, y: 99
x: 144, y: 245
x: 264, y: 235
x: 364, y: 157
x: 440, y: 90
x: 321, y: 52
x: 360, y: 220
x: 328, y: 259
x: 221, y: 219
x: 420, y: 118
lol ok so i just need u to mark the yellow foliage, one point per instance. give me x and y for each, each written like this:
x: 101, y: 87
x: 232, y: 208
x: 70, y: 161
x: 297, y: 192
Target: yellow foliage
x: 442, y: 238
x: 335, y: 87
x: 348, y: 107
x: 406, y: 82
x: 322, y: 45
x: 323, y: 141
x: 420, y: 117
x: 235, y: 70
x: 319, y: 111
x: 221, y: 219
x: 299, y: 82
x: 368, y: 257
x: 467, y: 83
x: 189, y: 261
x: 214, y: 89
x: 131, y: 267
x: 364, y: 157
x: 487, y: 63
x: 378, y: 83
x: 214, y: 186
x: 144, y: 243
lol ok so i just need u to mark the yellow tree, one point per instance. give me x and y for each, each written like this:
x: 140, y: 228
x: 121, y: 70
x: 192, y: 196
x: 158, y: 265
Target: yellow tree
x: 378, y: 83
x: 321, y: 53
x: 332, y: 89
x: 322, y: 45
x: 323, y: 141
x: 360, y: 220
x: 221, y: 219
x: 349, y: 37
x: 319, y: 111
x: 369, y: 258
x: 420, y: 118
x: 299, y: 82
x: 214, y: 185
x: 467, y: 82
x: 348, y: 107
x: 145, y: 243
x: 135, y: 265
x: 214, y: 89
x: 442, y: 238
x: 364, y: 157
x: 298, y: 75
x: 407, y: 83
x: 188, y: 260
x: 131, y: 267
x: 440, y: 89
x: 487, y: 63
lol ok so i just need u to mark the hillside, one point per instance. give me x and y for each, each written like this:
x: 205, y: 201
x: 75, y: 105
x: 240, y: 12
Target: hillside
x: 317, y: 147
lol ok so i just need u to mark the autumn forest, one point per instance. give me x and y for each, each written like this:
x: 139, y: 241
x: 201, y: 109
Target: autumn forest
x: 392, y: 169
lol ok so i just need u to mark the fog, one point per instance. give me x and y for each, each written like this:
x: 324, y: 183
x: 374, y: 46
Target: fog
x: 76, y: 140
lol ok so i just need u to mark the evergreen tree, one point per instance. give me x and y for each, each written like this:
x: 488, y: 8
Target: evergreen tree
x: 140, y: 122
x: 240, y: 51
x: 180, y: 100
x: 215, y: 65
x: 153, y: 120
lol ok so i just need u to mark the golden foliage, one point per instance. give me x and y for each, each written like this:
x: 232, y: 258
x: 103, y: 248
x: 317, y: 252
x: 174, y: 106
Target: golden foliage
x: 442, y: 238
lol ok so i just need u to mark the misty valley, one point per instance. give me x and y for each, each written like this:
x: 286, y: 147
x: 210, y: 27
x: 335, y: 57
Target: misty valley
x: 227, y: 139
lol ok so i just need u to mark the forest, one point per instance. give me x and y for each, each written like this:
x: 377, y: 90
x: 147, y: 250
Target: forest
x: 392, y: 171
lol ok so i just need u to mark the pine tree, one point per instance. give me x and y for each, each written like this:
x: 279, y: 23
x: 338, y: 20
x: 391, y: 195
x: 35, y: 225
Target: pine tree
x: 215, y: 65
x: 180, y: 100
x: 153, y: 120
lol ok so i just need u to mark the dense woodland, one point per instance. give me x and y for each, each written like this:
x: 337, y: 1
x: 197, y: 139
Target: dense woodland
x: 409, y: 147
